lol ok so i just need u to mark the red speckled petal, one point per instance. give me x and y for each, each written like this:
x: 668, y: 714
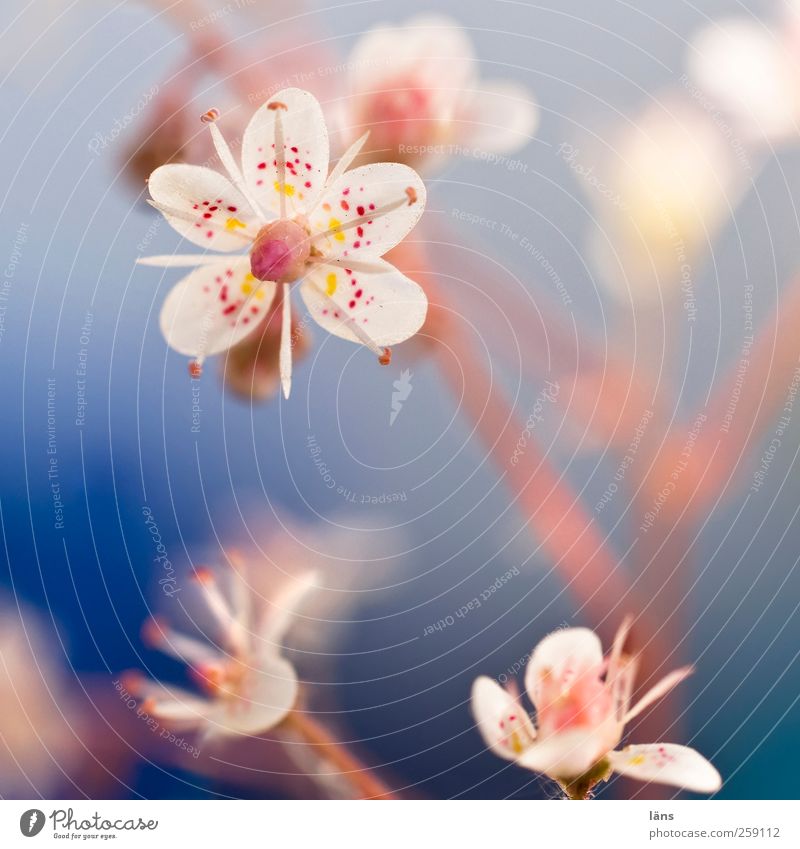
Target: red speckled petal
x: 208, y: 209
x: 305, y: 149
x: 667, y: 763
x: 386, y: 305
x: 214, y: 307
x: 354, y: 197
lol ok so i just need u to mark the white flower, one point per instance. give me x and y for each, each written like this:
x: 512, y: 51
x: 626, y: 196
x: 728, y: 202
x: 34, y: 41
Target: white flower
x: 750, y: 71
x: 417, y: 88
x: 249, y: 686
x: 296, y: 223
x: 669, y: 180
x: 582, y: 704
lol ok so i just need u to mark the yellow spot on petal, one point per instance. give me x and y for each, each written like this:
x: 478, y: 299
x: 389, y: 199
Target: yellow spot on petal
x: 636, y: 760
x: 334, y: 224
x: 288, y: 189
x: 249, y: 277
x: 246, y: 288
x: 233, y: 223
x: 331, y: 281
x: 260, y: 295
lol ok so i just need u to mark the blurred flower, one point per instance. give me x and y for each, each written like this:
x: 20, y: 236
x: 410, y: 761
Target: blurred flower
x: 38, y: 721
x: 582, y: 704
x: 329, y: 234
x: 751, y: 72
x: 250, y: 688
x: 666, y: 189
x: 416, y: 88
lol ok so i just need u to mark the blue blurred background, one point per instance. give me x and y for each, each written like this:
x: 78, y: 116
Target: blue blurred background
x: 72, y: 226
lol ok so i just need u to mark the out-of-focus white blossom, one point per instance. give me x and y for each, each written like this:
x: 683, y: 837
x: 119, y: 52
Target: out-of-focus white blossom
x: 248, y: 686
x: 417, y: 89
x: 670, y: 178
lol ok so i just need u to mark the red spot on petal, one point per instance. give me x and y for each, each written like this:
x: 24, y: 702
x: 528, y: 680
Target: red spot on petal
x: 262, y: 165
x: 345, y: 205
x: 360, y: 210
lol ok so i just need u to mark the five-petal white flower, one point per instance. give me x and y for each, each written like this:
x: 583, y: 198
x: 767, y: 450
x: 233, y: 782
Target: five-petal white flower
x: 418, y: 89
x: 582, y: 704
x: 297, y: 222
x: 250, y: 687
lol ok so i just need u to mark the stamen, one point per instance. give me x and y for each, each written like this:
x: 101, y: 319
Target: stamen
x: 230, y: 627
x: 364, y: 266
x: 285, y: 355
x: 183, y: 648
x: 195, y: 369
x: 384, y: 355
x: 341, y: 166
x: 229, y: 163
x: 280, y: 153
x: 409, y: 199
x: 210, y: 116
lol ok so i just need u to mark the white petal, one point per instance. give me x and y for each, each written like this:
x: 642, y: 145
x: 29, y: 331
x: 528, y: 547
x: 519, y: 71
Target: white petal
x: 214, y: 307
x: 503, y: 117
x: 384, y: 304
x: 659, y: 690
x: 180, y: 260
x: 743, y: 68
x: 179, y: 707
x: 283, y: 607
x: 305, y: 141
x: 502, y: 722
x: 285, y: 354
x: 667, y: 763
x: 203, y: 206
x: 562, y: 655
x: 357, y: 194
x: 270, y: 693
x: 432, y: 49
x: 565, y: 756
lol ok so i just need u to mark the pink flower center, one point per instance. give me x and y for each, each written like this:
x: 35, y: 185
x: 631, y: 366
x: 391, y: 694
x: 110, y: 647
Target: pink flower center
x: 585, y: 703
x: 401, y: 115
x: 280, y: 251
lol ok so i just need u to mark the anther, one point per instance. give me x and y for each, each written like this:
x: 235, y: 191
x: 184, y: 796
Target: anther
x: 386, y: 357
x: 210, y: 117
x: 411, y: 194
x: 195, y: 368
x: 276, y: 104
